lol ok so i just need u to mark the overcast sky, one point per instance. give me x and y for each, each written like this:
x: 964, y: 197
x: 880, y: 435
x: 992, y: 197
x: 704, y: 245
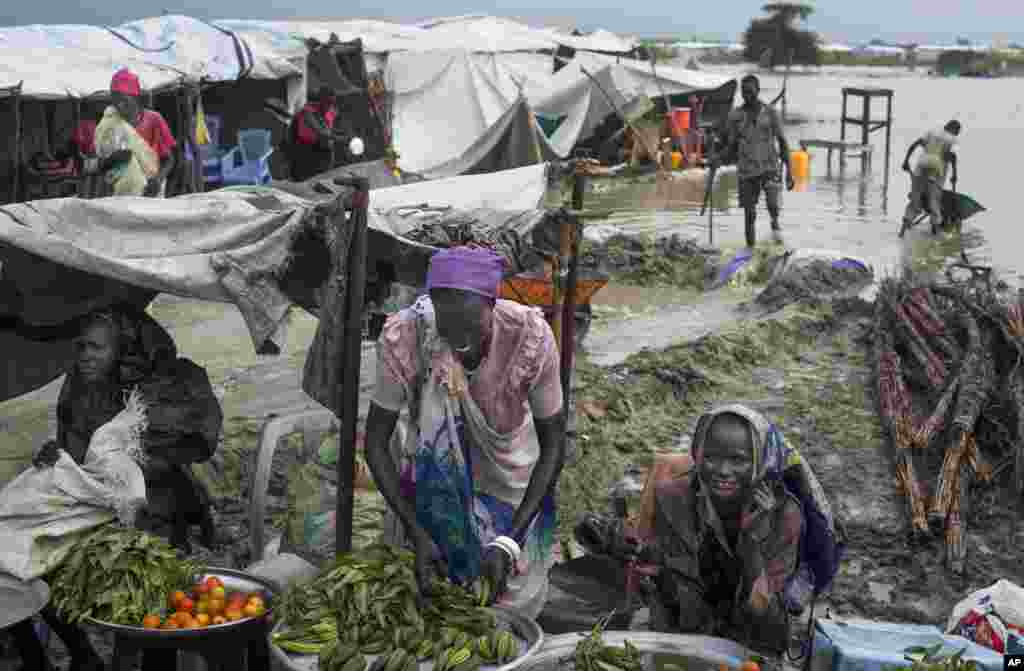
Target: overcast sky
x: 909, y: 20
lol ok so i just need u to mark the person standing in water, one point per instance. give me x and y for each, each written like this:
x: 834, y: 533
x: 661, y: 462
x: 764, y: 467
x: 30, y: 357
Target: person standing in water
x: 752, y: 133
x: 929, y: 175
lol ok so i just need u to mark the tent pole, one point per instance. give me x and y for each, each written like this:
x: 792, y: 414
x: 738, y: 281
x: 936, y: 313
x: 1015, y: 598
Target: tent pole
x: 16, y: 181
x: 348, y: 391
x: 579, y: 184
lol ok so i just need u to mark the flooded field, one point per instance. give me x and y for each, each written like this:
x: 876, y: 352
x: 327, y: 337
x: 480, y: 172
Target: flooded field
x: 858, y: 214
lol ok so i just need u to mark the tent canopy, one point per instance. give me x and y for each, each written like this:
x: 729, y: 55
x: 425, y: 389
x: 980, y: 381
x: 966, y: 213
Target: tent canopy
x: 260, y: 248
x: 450, y: 109
x: 78, y: 61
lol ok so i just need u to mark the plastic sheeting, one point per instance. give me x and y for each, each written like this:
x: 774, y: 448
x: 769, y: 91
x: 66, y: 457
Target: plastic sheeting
x: 78, y: 60
x: 875, y: 646
x: 450, y: 108
x: 519, y: 189
x: 500, y: 34
x: 65, y: 257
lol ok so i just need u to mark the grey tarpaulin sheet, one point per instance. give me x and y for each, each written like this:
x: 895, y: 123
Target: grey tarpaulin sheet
x: 409, y: 222
x: 62, y: 258
x: 523, y: 237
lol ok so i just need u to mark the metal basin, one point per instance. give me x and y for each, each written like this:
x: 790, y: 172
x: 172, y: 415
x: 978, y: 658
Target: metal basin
x: 528, y: 633
x: 693, y: 653
x: 234, y: 581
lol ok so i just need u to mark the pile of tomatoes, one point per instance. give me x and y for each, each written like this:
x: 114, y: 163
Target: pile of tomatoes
x: 208, y: 603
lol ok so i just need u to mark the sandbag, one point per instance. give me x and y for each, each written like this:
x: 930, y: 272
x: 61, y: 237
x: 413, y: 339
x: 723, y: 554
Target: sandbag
x: 44, y: 511
x: 114, y: 134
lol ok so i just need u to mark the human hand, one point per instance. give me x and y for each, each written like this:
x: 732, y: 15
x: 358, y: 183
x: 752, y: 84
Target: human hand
x: 47, y: 455
x: 790, y: 183
x: 763, y: 501
x: 430, y: 565
x: 495, y: 569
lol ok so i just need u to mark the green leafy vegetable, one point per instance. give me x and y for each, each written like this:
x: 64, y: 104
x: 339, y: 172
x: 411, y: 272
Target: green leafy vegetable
x: 118, y: 575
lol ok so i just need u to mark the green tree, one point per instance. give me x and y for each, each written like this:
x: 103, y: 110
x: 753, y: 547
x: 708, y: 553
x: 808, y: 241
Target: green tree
x: 773, y: 39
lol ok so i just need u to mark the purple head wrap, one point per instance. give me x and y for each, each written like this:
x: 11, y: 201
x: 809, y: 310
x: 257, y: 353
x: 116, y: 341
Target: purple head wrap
x: 473, y: 269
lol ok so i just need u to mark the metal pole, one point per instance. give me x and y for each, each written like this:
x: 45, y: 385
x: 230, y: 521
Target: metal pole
x: 348, y: 390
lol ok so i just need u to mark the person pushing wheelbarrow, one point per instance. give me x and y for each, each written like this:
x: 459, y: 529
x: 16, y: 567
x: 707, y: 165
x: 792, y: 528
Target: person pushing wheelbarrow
x: 929, y: 174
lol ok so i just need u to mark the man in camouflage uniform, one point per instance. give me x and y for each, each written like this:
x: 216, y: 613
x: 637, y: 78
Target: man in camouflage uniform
x: 752, y: 132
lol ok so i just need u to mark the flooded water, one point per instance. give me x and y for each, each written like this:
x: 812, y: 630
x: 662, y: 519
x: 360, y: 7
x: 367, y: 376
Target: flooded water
x: 846, y: 211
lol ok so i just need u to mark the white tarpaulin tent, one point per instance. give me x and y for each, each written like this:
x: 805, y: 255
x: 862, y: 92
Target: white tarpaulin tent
x: 576, y: 97
x: 497, y: 34
x: 447, y: 103
x: 78, y: 60
x: 518, y: 189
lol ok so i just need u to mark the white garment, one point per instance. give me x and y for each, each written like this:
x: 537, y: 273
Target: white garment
x: 43, y: 510
x: 933, y: 160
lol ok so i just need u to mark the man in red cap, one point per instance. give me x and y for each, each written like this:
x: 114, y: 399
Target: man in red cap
x: 126, y: 92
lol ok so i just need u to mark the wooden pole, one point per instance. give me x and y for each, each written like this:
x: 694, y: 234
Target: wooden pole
x: 785, y: 86
x: 569, y: 307
x: 348, y: 391
x: 561, y: 272
x: 888, y: 135
x: 865, y: 133
x: 16, y: 180
x: 842, y: 120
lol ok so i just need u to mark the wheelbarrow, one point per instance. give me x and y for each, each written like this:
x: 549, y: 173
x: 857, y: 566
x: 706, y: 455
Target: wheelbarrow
x: 956, y: 209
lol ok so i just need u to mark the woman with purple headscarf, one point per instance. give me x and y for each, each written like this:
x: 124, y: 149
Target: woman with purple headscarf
x: 473, y: 487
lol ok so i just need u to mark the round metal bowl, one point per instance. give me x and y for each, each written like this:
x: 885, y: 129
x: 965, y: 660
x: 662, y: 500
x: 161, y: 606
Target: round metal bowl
x: 529, y: 634
x: 557, y: 652
x: 234, y: 581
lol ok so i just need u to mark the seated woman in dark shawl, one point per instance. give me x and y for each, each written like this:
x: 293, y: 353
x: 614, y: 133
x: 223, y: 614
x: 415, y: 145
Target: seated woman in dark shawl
x: 119, y: 349
x: 122, y: 348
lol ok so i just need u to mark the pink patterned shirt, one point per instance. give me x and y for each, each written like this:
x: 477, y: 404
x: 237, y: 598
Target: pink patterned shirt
x: 520, y: 373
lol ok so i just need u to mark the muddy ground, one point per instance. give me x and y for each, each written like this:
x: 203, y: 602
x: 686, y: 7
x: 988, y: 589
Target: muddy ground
x: 657, y: 353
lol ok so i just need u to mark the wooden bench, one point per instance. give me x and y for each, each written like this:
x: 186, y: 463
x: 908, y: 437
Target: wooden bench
x: 844, y: 148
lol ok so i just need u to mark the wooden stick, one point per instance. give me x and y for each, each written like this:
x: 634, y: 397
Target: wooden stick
x: 561, y: 271
x: 348, y: 390
x: 569, y: 307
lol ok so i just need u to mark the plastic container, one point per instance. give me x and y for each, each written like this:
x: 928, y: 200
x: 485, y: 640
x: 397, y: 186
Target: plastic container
x: 681, y: 119
x: 799, y: 164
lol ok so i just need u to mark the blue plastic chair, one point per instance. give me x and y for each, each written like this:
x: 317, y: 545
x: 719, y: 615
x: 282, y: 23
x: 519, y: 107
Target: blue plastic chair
x: 248, y: 163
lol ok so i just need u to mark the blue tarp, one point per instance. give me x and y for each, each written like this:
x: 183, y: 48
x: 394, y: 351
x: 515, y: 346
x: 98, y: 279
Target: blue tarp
x: 840, y: 646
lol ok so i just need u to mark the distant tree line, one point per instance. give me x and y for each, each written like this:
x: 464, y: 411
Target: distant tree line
x: 776, y: 40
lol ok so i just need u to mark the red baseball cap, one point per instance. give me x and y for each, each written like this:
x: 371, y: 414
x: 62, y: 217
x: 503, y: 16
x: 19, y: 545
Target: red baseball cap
x: 125, y: 81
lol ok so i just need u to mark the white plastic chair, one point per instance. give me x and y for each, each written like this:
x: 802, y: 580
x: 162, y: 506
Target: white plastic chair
x: 313, y: 424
